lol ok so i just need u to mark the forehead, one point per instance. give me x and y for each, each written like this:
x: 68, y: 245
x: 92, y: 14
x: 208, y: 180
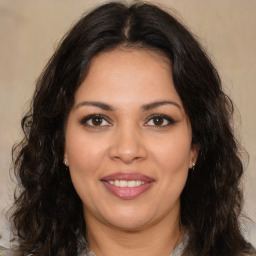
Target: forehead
x: 123, y: 74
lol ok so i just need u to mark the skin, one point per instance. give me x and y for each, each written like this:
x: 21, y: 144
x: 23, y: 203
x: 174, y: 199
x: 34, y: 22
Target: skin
x: 129, y: 140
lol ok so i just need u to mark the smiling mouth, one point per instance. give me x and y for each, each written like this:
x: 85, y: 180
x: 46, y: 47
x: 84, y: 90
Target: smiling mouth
x: 127, y: 185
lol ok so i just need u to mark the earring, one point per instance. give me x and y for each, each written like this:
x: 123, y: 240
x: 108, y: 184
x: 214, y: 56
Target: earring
x: 66, y: 162
x: 193, y: 166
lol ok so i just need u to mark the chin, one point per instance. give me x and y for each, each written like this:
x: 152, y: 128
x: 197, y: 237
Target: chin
x: 129, y: 224
x: 129, y: 219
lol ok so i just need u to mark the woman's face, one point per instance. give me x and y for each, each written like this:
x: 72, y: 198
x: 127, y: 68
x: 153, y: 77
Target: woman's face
x: 128, y: 141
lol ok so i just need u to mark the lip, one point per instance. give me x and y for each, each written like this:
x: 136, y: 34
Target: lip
x: 127, y: 192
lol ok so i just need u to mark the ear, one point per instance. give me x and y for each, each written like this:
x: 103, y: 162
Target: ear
x: 193, y: 155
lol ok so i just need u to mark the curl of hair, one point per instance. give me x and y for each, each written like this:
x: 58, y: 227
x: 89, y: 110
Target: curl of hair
x: 48, y: 215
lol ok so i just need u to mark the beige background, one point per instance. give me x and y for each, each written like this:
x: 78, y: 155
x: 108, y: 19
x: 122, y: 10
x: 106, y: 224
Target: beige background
x: 30, y: 30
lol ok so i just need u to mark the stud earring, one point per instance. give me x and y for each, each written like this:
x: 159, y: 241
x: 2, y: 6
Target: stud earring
x: 193, y: 166
x: 66, y: 162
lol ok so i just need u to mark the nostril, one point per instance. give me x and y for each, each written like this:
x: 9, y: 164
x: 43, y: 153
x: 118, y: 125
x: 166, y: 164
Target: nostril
x: 127, y: 145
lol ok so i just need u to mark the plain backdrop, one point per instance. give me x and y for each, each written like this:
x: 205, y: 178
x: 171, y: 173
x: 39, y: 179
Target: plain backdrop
x: 30, y: 31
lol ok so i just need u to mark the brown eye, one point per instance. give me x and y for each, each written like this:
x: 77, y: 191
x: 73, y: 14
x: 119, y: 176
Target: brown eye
x: 96, y: 121
x: 158, y: 120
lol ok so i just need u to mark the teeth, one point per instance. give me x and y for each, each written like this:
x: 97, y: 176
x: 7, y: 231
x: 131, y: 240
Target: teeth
x: 131, y: 183
x: 125, y: 183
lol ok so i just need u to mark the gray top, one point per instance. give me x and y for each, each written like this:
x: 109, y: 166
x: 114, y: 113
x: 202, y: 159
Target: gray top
x: 178, y: 250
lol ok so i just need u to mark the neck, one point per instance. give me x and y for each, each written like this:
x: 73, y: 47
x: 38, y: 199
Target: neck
x: 159, y: 239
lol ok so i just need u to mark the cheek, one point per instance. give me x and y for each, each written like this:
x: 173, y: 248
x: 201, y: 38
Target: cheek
x: 84, y: 162
x: 83, y: 152
x: 173, y: 161
x: 173, y: 153
x: 85, y: 156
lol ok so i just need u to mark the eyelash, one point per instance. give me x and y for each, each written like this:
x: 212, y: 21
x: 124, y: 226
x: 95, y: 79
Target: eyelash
x: 170, y: 120
x: 85, y: 119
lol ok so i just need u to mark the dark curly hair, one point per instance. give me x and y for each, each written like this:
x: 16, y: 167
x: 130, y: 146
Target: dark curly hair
x: 47, y: 213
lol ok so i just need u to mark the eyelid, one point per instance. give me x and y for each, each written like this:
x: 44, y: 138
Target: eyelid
x: 85, y: 119
x: 170, y: 120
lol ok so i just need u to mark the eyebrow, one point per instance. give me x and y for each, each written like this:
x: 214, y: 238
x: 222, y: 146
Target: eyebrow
x: 158, y: 104
x: 145, y: 107
x: 97, y: 104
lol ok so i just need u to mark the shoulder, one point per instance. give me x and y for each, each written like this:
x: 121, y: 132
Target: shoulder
x: 250, y: 252
x: 9, y: 252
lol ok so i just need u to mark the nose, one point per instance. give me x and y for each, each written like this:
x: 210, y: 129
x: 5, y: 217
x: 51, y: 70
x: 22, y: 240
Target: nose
x: 128, y: 145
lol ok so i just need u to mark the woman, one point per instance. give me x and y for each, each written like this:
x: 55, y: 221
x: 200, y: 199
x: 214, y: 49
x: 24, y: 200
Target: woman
x: 128, y: 147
